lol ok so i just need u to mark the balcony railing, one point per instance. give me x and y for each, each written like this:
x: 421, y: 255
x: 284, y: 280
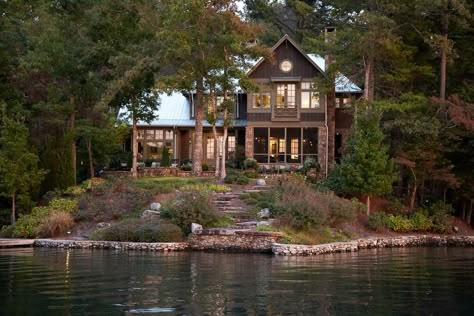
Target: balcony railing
x: 285, y: 113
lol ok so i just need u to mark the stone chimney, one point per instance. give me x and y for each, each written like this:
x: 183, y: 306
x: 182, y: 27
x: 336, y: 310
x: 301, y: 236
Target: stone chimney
x: 329, y: 36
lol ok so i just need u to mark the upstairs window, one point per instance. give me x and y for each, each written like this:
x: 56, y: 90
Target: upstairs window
x: 262, y: 99
x: 286, y: 95
x: 309, y: 99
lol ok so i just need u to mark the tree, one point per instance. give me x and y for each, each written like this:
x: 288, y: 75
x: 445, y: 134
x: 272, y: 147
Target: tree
x: 141, y: 102
x: 197, y: 35
x: 366, y: 168
x: 19, y: 172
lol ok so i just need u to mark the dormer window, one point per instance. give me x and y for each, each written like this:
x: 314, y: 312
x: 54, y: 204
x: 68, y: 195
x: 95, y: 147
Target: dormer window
x: 286, y: 65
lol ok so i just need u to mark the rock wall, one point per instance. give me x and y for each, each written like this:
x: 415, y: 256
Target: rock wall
x: 376, y: 242
x: 233, y: 240
x: 89, y: 244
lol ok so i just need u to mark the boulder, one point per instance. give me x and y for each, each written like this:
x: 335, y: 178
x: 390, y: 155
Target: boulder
x: 103, y: 225
x: 264, y: 213
x: 261, y: 182
x: 155, y: 206
x: 196, y: 228
x: 263, y: 223
x: 150, y: 214
x: 455, y: 229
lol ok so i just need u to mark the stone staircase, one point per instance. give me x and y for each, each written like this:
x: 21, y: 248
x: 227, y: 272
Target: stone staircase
x: 232, y: 206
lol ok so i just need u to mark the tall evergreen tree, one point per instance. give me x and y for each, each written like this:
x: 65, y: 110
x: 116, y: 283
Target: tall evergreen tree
x: 366, y: 168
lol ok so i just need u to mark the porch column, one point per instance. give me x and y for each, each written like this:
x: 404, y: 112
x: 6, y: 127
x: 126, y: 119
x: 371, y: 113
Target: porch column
x: 322, y: 132
x: 249, y: 142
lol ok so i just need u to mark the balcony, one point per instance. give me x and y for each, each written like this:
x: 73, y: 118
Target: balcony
x: 285, y: 114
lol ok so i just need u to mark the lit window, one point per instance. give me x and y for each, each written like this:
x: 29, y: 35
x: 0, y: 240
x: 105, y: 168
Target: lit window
x: 169, y: 135
x: 294, y: 148
x: 141, y: 134
x: 286, y: 66
x: 286, y: 95
x: 262, y: 100
x: 210, y: 148
x: 309, y: 99
x: 150, y: 134
x: 230, y: 144
x: 159, y: 134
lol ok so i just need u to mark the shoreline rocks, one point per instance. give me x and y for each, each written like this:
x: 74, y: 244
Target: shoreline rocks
x: 260, y: 241
x: 374, y: 242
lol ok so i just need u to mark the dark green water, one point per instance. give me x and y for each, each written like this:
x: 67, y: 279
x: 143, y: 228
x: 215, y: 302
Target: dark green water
x: 415, y: 281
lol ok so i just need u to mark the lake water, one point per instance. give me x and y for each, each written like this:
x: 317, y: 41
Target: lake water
x: 411, y: 281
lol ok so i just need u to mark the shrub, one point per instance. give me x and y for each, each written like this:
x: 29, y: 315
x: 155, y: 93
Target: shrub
x: 211, y: 187
x: 394, y: 206
x: 310, y: 163
x: 191, y: 207
x: 302, y: 207
x: 230, y: 178
x: 242, y: 180
x: 7, y: 231
x: 250, y: 163
x: 399, y: 223
x: 140, y: 230
x: 378, y: 221
x: 29, y: 226
x: 421, y: 222
x: 56, y: 224
x: 252, y: 174
x: 441, y: 217
x: 205, y: 167
x: 165, y: 157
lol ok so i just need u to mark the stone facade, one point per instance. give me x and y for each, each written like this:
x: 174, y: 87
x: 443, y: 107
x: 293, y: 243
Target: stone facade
x: 158, y: 172
x: 376, y: 242
x: 249, y: 141
x: 89, y: 244
x: 233, y: 240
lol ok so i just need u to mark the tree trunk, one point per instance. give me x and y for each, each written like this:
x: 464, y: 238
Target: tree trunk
x: 72, y: 125
x: 413, y: 197
x: 223, y: 157
x: 135, y: 148
x: 369, y: 84
x: 197, y: 150
x: 216, y: 153
x: 13, y: 208
x: 444, y: 48
x: 469, y: 214
x: 91, y: 159
x: 445, y: 190
x: 463, y: 213
x: 368, y: 205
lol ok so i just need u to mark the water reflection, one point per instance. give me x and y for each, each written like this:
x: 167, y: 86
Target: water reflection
x: 388, y: 281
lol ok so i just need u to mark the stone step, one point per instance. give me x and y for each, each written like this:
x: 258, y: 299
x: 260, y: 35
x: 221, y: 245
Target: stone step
x: 252, y: 191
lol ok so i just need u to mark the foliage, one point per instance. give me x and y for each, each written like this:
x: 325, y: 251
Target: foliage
x: 209, y: 187
x: 302, y: 207
x: 365, y: 168
x: 164, y: 184
x: 237, y: 178
x: 165, y: 157
x: 191, y: 207
x: 56, y: 224
x: 204, y: 167
x: 75, y: 190
x: 19, y: 172
x: 250, y: 163
x: 310, y: 163
x: 31, y: 225
x: 140, y: 230
x: 435, y: 219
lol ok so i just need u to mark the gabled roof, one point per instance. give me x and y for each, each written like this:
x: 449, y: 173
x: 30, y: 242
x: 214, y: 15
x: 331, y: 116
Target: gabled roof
x: 286, y: 37
x: 342, y: 83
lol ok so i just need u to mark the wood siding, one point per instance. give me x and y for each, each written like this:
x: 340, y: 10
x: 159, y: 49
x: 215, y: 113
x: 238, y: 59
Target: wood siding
x: 312, y: 117
x: 343, y: 118
x: 259, y: 116
x: 301, y: 66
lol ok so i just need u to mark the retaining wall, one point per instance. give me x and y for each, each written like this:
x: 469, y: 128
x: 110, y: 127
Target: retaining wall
x: 89, y: 244
x: 233, y: 241
x: 376, y: 242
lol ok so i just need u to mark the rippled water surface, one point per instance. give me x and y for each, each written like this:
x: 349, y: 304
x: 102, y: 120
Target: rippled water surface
x: 416, y: 281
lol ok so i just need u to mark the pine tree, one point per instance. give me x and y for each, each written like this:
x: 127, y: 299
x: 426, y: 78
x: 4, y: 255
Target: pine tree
x: 19, y: 172
x: 366, y: 168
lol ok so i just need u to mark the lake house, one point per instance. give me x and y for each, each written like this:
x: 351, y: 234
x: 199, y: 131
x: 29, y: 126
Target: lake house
x: 282, y: 124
